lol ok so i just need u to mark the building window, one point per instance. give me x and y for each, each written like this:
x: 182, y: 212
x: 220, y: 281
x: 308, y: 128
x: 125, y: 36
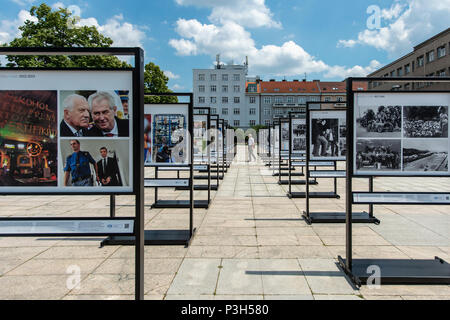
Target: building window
x: 252, y: 100
x: 420, y: 61
x: 327, y: 99
x: 278, y: 99
x: 213, y: 77
x: 225, y: 77
x: 225, y: 111
x: 201, y: 77
x: 224, y: 99
x: 290, y: 99
x: 407, y: 69
x: 400, y: 72
x: 392, y: 74
x: 213, y: 111
x: 441, y: 73
x: 302, y: 100
x: 252, y: 122
x: 236, y: 111
x: 267, y: 112
x: 313, y: 98
x: 201, y: 88
x: 236, y: 123
x: 213, y: 100
x: 236, y: 77
x: 276, y: 90
x: 267, y: 123
x: 340, y: 99
x: 237, y: 89
x: 267, y: 100
x: 441, y: 52
x: 224, y: 88
x: 252, y: 110
x: 201, y: 99
x: 430, y: 56
x: 407, y: 87
x: 237, y: 100
x: 213, y: 88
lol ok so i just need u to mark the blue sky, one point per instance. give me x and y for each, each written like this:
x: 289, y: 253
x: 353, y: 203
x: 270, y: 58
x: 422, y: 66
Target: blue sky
x: 329, y: 40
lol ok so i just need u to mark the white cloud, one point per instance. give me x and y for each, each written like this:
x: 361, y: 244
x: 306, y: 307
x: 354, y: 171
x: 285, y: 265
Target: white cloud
x: 23, y: 2
x: 346, y: 43
x: 171, y: 75
x: 10, y: 28
x: 409, y: 23
x: 340, y: 72
x: 248, y: 13
x: 177, y: 87
x: 233, y: 42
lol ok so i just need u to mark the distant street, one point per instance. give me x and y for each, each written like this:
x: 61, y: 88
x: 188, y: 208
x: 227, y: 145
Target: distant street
x: 435, y: 162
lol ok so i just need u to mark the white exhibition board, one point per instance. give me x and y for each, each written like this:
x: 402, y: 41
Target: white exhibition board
x: 167, y: 128
x: 47, y: 115
x: 401, y: 134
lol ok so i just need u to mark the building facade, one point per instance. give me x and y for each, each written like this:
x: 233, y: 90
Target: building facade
x: 430, y: 58
x: 223, y: 89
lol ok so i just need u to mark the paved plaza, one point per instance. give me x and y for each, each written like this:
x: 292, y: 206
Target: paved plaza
x: 250, y: 244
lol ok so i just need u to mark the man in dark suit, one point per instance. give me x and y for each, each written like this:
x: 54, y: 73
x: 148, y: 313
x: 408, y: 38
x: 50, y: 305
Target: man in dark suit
x: 108, y: 170
x: 103, y: 111
x: 76, y: 117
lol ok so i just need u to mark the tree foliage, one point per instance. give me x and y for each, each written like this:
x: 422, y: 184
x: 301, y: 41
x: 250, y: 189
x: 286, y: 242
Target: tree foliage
x: 58, y: 29
x: 155, y: 81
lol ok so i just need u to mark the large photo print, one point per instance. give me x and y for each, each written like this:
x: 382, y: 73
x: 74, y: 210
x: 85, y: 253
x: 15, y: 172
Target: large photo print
x: 298, y: 135
x: 402, y: 134
x: 327, y: 135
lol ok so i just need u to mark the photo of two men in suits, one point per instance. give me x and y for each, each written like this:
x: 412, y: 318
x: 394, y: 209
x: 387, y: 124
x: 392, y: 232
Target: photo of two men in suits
x: 95, y: 116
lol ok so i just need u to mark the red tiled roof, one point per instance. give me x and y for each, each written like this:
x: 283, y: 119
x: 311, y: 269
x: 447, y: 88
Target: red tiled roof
x: 289, y: 87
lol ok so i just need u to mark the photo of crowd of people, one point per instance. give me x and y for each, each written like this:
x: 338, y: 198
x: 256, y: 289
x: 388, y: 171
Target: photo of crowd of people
x: 425, y: 155
x: 200, y: 136
x: 425, y: 122
x: 285, y: 136
x: 169, y: 138
x: 95, y: 162
x: 379, y: 122
x: 298, y: 135
x: 28, y: 138
x: 325, y: 137
x: 378, y: 155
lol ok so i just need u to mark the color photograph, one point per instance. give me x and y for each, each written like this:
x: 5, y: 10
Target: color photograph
x: 28, y: 138
x: 169, y: 138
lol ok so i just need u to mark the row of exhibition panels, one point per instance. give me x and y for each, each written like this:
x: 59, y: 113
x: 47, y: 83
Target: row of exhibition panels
x: 328, y: 143
x: 367, y: 136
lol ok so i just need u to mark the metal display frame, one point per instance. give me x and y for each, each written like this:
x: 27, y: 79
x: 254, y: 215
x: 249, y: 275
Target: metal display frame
x: 138, y: 150
x: 393, y: 271
x: 166, y: 237
x: 328, y: 217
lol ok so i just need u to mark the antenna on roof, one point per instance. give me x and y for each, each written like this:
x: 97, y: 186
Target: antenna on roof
x: 305, y: 77
x: 218, y: 61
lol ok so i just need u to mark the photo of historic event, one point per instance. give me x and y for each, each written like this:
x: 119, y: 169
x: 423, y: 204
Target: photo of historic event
x: 325, y: 137
x: 425, y: 122
x: 200, y: 136
x: 378, y: 155
x: 284, y: 136
x: 298, y: 135
x: 169, y: 138
x: 343, y: 146
x: 28, y: 138
x: 378, y: 122
x: 94, y: 113
x: 425, y: 155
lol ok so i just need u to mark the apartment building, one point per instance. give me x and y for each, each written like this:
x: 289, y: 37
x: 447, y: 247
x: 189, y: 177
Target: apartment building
x: 223, y: 89
x: 430, y: 58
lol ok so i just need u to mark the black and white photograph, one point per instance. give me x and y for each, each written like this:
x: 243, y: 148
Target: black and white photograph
x: 325, y: 137
x: 378, y: 155
x: 425, y: 122
x: 379, y: 122
x: 298, y: 135
x: 284, y: 136
x: 425, y: 155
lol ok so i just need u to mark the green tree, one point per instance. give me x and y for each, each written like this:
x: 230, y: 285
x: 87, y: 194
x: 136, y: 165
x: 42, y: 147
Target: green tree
x: 56, y: 29
x: 155, y: 81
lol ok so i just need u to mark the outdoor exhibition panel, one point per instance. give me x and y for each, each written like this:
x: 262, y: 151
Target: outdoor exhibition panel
x: 396, y: 134
x: 221, y: 147
x: 73, y: 131
x: 275, y: 144
x: 297, y: 153
x: 325, y: 143
x: 214, y: 152
x: 202, y: 154
x: 263, y: 144
x: 283, y: 147
x: 167, y: 148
